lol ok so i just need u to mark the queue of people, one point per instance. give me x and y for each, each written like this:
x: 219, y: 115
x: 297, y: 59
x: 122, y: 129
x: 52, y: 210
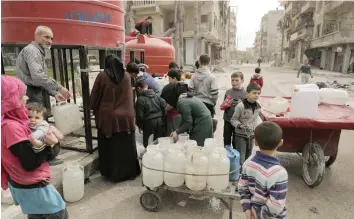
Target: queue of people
x: 28, y: 140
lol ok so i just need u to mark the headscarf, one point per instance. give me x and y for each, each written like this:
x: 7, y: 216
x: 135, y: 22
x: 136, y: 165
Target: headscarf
x: 114, y: 68
x: 13, y: 109
x: 12, y: 89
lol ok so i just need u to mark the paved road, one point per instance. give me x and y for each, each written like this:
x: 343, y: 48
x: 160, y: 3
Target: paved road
x: 334, y: 198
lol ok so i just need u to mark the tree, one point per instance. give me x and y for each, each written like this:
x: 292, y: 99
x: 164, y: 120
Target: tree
x: 128, y: 17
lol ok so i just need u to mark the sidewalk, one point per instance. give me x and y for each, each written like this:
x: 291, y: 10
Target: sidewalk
x: 318, y: 72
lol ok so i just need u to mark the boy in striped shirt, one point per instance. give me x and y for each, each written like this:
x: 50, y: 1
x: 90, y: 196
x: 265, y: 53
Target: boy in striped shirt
x: 264, y: 182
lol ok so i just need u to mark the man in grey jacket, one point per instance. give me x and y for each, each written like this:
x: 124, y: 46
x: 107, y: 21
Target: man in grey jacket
x: 203, y: 84
x: 32, y: 69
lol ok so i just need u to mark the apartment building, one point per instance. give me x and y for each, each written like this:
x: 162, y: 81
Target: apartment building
x: 257, y: 45
x: 213, y: 26
x: 266, y: 38
x: 321, y: 31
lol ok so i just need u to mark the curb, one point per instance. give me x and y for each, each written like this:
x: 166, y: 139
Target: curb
x: 319, y: 72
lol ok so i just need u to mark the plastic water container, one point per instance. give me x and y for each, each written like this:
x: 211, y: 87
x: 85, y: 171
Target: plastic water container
x: 304, y: 103
x: 6, y: 197
x: 73, y: 182
x: 153, y: 159
x: 278, y: 105
x: 188, y: 145
x: 334, y: 96
x: 209, y: 145
x: 187, y: 81
x: 183, y: 137
x: 198, y: 164
x: 192, y: 149
x: 219, y: 163
x: 234, y: 157
x: 67, y: 117
x: 160, y: 81
x: 174, y: 161
x: 306, y: 86
x: 164, y: 144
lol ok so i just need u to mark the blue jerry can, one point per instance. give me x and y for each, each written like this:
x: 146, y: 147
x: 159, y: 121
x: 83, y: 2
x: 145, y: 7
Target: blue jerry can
x: 234, y: 157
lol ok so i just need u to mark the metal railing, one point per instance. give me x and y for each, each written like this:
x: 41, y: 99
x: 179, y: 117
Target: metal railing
x: 144, y: 3
x: 63, y: 70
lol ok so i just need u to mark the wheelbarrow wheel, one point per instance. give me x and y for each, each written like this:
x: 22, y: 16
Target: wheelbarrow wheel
x: 313, y: 165
x: 151, y: 201
x: 331, y: 160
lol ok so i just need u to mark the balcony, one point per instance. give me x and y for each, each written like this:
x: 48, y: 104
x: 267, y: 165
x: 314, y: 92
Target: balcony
x: 294, y: 36
x: 292, y: 8
x: 144, y: 4
x: 332, y: 7
x: 308, y: 7
x: 209, y: 32
x: 338, y: 37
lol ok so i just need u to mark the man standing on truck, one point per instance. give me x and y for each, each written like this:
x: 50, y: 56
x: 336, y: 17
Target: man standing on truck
x: 144, y: 26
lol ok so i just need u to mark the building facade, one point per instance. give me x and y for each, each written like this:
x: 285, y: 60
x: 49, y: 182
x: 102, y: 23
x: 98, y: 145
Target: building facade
x: 212, y: 26
x: 321, y: 31
x: 257, y: 46
x: 266, y: 39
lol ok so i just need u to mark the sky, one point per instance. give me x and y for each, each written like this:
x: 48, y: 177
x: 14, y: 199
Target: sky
x: 249, y: 15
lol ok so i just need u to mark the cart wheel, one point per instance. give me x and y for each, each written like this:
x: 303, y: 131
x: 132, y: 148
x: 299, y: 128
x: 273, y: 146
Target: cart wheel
x: 331, y: 160
x: 151, y: 201
x: 313, y: 165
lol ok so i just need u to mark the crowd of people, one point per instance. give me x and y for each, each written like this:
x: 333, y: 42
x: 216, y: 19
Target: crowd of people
x: 28, y: 140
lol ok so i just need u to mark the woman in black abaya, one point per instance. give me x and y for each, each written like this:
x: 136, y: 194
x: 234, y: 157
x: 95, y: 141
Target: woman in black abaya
x: 112, y: 104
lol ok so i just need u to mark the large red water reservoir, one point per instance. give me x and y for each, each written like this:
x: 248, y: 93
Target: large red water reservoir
x: 92, y: 23
x: 158, y: 53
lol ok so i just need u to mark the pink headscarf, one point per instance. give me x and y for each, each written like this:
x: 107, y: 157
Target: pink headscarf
x: 12, y: 89
x: 14, y: 129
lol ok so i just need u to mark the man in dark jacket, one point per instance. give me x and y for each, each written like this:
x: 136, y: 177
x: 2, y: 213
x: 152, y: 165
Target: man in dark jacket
x: 150, y: 111
x: 144, y: 26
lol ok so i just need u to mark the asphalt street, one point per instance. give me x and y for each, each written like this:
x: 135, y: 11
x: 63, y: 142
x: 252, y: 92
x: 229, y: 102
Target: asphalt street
x: 333, y: 199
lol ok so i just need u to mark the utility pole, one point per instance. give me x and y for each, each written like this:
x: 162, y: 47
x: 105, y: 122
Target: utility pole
x: 196, y: 30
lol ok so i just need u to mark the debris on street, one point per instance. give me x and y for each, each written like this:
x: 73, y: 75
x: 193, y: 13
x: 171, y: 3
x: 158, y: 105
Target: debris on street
x: 337, y: 85
x: 314, y: 210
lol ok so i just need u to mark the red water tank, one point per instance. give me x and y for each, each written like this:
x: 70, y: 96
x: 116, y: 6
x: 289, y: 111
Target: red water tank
x: 158, y: 53
x: 92, y: 23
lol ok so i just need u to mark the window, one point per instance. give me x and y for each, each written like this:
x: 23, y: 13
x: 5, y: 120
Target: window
x: 318, y: 30
x: 204, y: 18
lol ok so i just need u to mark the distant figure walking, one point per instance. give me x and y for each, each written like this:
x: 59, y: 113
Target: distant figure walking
x: 305, y: 71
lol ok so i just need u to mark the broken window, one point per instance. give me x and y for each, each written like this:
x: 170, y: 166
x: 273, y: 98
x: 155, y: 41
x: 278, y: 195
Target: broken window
x: 204, y: 18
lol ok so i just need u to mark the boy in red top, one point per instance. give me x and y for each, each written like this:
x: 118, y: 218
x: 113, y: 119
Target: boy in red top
x: 257, y: 77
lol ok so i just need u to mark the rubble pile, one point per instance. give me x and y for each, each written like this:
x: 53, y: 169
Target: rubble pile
x: 335, y: 84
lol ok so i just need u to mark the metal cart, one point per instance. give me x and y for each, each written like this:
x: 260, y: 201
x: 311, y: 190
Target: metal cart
x: 317, y: 139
